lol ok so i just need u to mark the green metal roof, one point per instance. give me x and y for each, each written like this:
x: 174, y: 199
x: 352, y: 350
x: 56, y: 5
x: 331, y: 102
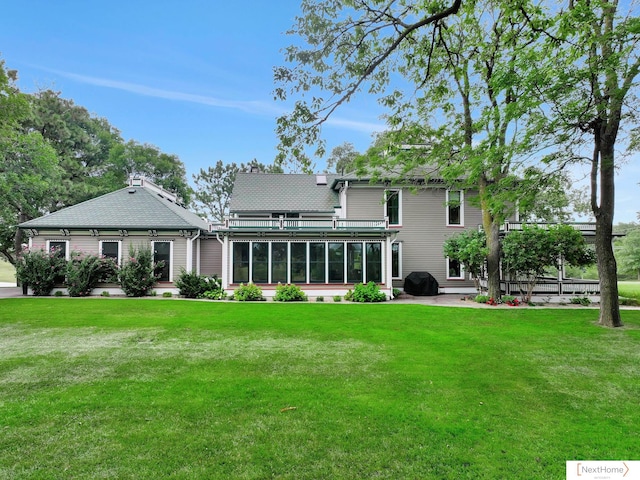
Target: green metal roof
x: 282, y: 192
x: 132, y: 208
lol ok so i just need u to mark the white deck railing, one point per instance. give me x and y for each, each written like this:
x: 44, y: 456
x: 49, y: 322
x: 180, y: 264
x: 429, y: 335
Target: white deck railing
x: 581, y: 226
x: 300, y: 224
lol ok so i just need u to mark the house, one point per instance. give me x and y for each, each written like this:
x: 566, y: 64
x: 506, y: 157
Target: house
x: 324, y: 233
x: 141, y: 214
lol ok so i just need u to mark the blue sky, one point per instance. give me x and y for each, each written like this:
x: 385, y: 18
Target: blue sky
x: 193, y: 78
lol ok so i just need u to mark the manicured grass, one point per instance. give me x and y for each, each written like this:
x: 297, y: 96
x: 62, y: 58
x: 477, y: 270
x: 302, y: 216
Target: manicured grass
x: 7, y: 272
x: 95, y: 388
x: 629, y: 289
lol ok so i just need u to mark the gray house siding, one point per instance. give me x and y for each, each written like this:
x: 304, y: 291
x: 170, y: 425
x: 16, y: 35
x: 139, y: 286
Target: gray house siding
x: 423, y: 228
x: 210, y: 257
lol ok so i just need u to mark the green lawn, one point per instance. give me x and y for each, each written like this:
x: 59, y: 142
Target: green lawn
x: 7, y: 272
x: 629, y: 289
x: 115, y: 388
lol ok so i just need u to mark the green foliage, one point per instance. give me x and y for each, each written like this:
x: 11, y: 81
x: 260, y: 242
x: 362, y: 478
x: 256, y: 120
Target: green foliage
x: 337, y: 298
x: 167, y: 294
x: 289, y: 293
x: 137, y: 276
x: 481, y: 298
x: 194, y: 285
x: 248, y: 293
x: 585, y: 301
x: 216, y: 293
x: 470, y: 249
x: 628, y: 253
x: 320, y: 299
x: 629, y: 302
x: 349, y: 295
x: 40, y: 270
x: 105, y: 293
x: 343, y: 158
x: 396, y: 292
x: 365, y: 293
x: 510, y: 300
x: 85, y: 272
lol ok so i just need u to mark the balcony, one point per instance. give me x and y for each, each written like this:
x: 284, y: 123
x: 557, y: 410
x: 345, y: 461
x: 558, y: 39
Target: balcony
x: 584, y: 227
x: 288, y: 224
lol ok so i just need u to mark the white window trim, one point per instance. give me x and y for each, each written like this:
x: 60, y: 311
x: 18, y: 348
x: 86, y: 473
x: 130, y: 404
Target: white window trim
x: 461, y: 224
x: 67, y: 252
x: 170, y: 242
x: 384, y: 207
x: 462, y: 272
x: 119, y: 242
x: 399, y: 260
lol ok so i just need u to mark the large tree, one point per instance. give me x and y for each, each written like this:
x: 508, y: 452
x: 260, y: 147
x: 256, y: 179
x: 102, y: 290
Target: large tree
x: 588, y: 74
x: 460, y: 106
x: 29, y: 172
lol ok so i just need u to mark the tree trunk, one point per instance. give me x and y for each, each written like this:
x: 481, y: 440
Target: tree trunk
x: 493, y: 258
x: 607, y: 269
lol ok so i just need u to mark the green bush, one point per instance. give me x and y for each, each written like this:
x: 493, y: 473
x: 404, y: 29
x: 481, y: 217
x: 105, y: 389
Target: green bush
x: 217, y: 294
x: 629, y: 302
x: 349, y: 296
x: 585, y: 301
x: 167, y: 294
x: 40, y: 270
x: 396, y: 292
x: 137, y: 276
x: 289, y: 293
x: 105, y: 294
x: 337, y: 298
x: 481, y: 298
x: 365, y: 293
x: 248, y: 293
x: 85, y: 272
x: 194, y: 285
x: 320, y: 299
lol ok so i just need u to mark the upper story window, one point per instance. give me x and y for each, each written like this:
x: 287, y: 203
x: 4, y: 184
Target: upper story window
x: 392, y: 203
x: 455, y: 208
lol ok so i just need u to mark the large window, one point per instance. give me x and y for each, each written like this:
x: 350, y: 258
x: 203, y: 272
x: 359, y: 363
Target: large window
x: 455, y: 212
x: 336, y: 262
x: 260, y: 262
x: 110, y: 249
x: 59, y: 247
x: 240, y: 262
x: 392, y: 206
x: 396, y: 260
x: 299, y: 262
x: 374, y: 262
x: 454, y: 270
x: 162, y: 257
x: 279, y: 262
x: 354, y: 262
x: 316, y: 263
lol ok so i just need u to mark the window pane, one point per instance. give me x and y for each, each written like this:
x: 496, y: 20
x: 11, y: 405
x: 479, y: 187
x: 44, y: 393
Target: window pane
x: 279, y: 262
x: 59, y: 248
x: 162, y: 253
x: 240, y: 262
x: 354, y: 262
x: 393, y: 207
x: 260, y: 262
x: 395, y: 260
x: 110, y: 250
x: 299, y: 263
x: 374, y: 262
x: 336, y: 263
x: 454, y: 208
x: 316, y: 263
x: 455, y: 269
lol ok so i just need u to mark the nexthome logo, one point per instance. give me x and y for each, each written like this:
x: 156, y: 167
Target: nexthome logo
x: 603, y: 470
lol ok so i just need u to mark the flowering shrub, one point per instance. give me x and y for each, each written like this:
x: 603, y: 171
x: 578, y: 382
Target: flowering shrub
x: 289, y: 293
x: 137, y: 276
x: 510, y: 300
x: 40, y: 270
x: 494, y: 301
x: 84, y: 272
x: 248, y: 293
x: 482, y: 299
x: 367, y: 293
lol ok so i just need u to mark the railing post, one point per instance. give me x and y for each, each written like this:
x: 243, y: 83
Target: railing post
x: 281, y: 218
x: 334, y: 223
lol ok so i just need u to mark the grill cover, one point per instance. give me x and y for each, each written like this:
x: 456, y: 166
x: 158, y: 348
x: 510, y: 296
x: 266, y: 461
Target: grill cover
x: 421, y: 283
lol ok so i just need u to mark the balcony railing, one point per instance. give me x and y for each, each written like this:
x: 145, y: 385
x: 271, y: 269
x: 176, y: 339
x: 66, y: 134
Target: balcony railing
x: 300, y: 224
x: 581, y: 226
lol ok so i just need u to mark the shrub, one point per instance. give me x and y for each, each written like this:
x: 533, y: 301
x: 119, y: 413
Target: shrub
x: 349, y: 296
x: 396, y: 292
x: 105, y: 294
x: 167, y: 294
x: 59, y: 293
x: 248, y: 293
x: 85, y: 272
x: 365, y: 293
x: 192, y: 284
x: 289, y: 293
x: 137, y: 276
x: 217, y: 294
x: 337, y: 298
x: 510, y: 300
x: 481, y: 298
x: 40, y: 270
x: 585, y: 301
x: 320, y: 299
x: 629, y: 302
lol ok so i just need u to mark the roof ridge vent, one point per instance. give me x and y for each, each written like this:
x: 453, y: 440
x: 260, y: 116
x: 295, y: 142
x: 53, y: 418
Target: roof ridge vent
x: 149, y: 185
x: 321, y: 179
